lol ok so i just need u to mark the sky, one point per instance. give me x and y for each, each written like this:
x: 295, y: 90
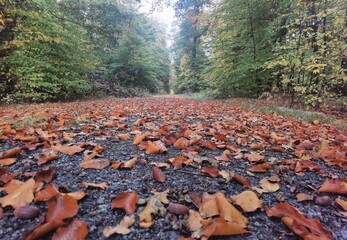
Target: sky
x: 163, y: 14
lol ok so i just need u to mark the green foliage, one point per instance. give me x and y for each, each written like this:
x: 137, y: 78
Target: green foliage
x: 59, y: 50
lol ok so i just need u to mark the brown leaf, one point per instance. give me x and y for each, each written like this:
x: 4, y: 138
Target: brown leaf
x: 95, y: 163
x: 7, y: 161
x: 228, y: 212
x: 102, y: 185
x: 140, y: 137
x: 254, y: 158
x: 124, y: 137
x: 226, y: 155
x: 342, y: 203
x: 127, y: 164
x: 78, y: 195
x: 248, y: 201
x: 152, y: 148
x: 155, y: 205
x: 338, y: 185
x: 22, y: 196
x: 10, y: 153
x: 46, y: 194
x: 210, y: 170
x: 60, y: 208
x: 126, y: 201
x: 158, y: 174
x: 303, y: 197
x: 181, y: 143
x: 209, y: 145
x: 68, y: 150
x: 208, y: 206
x: 263, y: 167
x: 220, y: 227
x: 193, y: 223
x: 267, y: 186
x: 299, y: 223
x: 255, y: 146
x: 240, y: 179
x: 121, y: 228
x: 45, y: 175
x: 76, y: 230
x: 177, y: 209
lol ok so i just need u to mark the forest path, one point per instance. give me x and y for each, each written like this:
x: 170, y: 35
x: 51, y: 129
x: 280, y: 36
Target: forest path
x: 201, y: 147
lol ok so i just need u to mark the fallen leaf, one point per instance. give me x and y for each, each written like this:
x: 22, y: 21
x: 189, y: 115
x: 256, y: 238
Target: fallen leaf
x: 46, y: 194
x: 95, y: 163
x: 193, y: 223
x: 338, y: 185
x: 76, y: 230
x: 10, y: 153
x: 22, y: 196
x: 303, y: 197
x: 342, y: 203
x: 7, y: 161
x: 140, y: 137
x: 240, y: 179
x: 152, y: 148
x: 67, y: 149
x: 158, y: 174
x: 263, y: 167
x: 102, y: 185
x: 210, y: 170
x: 45, y: 175
x: 254, y: 158
x: 155, y: 205
x: 267, y: 186
x: 121, y: 228
x: 220, y: 227
x: 209, y: 145
x: 226, y: 155
x: 248, y: 201
x: 127, y: 164
x: 126, y: 201
x: 124, y: 137
x: 181, y: 143
x: 78, y: 195
x: 298, y: 222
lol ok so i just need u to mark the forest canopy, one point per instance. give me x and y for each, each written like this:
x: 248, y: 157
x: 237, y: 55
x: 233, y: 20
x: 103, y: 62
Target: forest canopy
x: 68, y: 49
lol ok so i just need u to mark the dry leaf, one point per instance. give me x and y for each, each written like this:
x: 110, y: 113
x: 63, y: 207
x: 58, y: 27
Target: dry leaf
x: 95, y: 163
x: 177, y: 209
x: 121, y: 228
x: 248, y: 201
x: 342, y: 203
x: 21, y: 196
x: 127, y: 164
x: 299, y: 223
x: 76, y: 230
x: 220, y: 227
x: 303, y: 197
x: 126, y: 201
x: 338, y: 185
x: 7, y: 161
x: 158, y: 174
x: 102, y: 185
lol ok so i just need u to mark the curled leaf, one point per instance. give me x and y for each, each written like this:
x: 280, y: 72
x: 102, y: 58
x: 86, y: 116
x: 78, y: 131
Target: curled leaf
x: 126, y: 201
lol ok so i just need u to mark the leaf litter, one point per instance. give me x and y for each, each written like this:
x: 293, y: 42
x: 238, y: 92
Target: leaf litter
x: 201, y: 170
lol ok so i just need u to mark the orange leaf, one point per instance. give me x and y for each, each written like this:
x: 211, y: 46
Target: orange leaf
x: 209, y: 145
x: 158, y: 174
x: 298, y: 222
x: 95, y: 163
x: 126, y: 201
x: 46, y: 193
x: 102, y: 185
x: 240, y: 179
x: 140, y: 137
x: 152, y: 148
x: 334, y: 186
x: 303, y: 197
x: 220, y: 227
x: 22, y: 196
x: 342, y: 203
x: 210, y: 170
x: 263, y: 167
x: 121, y: 228
x: 10, y: 153
x: 76, y: 230
x: 181, y: 143
x: 68, y: 150
x: 124, y: 137
x: 127, y: 164
x: 252, y: 157
x: 45, y: 175
x: 7, y: 161
x: 248, y: 201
